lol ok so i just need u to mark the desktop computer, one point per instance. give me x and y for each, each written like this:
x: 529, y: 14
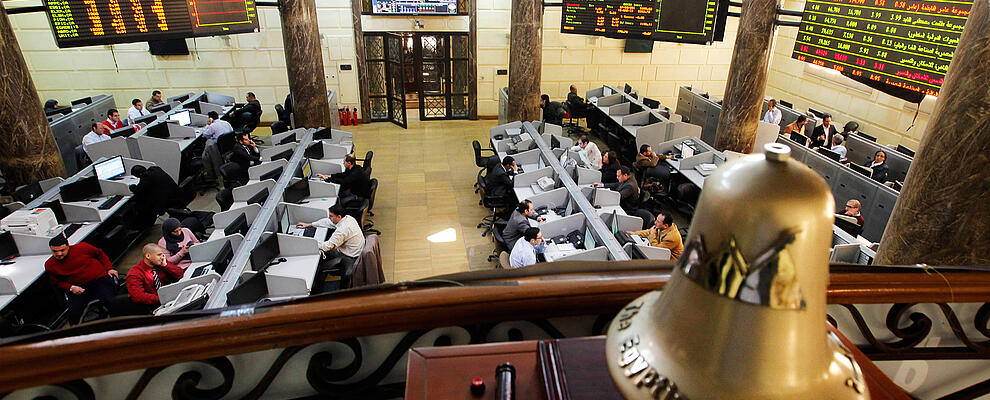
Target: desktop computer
x: 266, y: 251
x: 184, y: 118
x: 110, y: 169
x: 82, y: 189
x: 238, y: 225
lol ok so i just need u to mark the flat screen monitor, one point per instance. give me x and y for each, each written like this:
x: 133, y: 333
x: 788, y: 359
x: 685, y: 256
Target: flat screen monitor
x: 307, y: 169
x: 615, y: 222
x: 653, y: 119
x: 122, y: 132
x: 283, y: 155
x: 554, y: 142
x: 800, y: 138
x: 314, y: 151
x: 60, y: 110
x: 786, y: 104
x: 84, y: 100
x: 184, y: 118
x: 290, y: 138
x: 635, y: 108
x: 829, y: 153
x: 179, y: 99
x: 159, y: 130
x: 82, y: 189
x: 28, y: 192
x: 867, y: 172
x: 56, y: 207
x: 259, y: 197
x: 414, y: 7
x: 8, y: 249
x: 816, y: 113
x: 223, y: 257
x: 635, y: 253
x: 162, y: 108
x: 867, y: 137
x: 905, y: 151
x: 266, y: 251
x: 109, y: 169
x: 273, y: 174
x: 283, y: 222
x: 652, y: 104
x: 322, y: 134
x: 627, y: 89
x: 589, y: 240
x: 144, y: 119
x: 238, y: 225
x: 296, y: 192
x: 251, y: 291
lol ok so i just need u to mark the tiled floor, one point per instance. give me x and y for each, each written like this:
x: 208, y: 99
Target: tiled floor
x: 426, y: 178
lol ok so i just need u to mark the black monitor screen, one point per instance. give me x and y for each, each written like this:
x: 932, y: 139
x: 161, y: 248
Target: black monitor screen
x: 61, y: 110
x: 266, y: 251
x: 314, y: 151
x: 122, y: 132
x: 829, y: 153
x: 251, y: 291
x: 628, y: 89
x: 238, y: 225
x: 867, y: 137
x: 290, y: 138
x: 28, y: 192
x: 283, y: 155
x: 147, y: 119
x: 159, y: 130
x: 905, y: 151
x: 861, y: 169
x: 161, y: 108
x: 296, y: 192
x: 223, y: 257
x: 84, y: 100
x: 8, y: 249
x: 653, y: 104
x: 273, y: 174
x: 56, y: 207
x: 82, y: 189
x: 653, y: 119
x: 259, y: 197
x: 635, y: 108
x: 786, y: 104
x: 322, y: 134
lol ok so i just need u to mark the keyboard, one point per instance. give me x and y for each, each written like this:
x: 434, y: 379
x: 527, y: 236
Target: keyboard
x: 70, y: 229
x: 112, y: 201
x: 307, y: 232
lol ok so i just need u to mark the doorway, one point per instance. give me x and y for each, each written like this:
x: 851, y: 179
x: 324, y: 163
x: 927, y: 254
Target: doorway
x: 426, y: 71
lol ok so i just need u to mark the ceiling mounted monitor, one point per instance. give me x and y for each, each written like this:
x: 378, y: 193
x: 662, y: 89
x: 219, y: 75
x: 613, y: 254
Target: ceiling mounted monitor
x: 681, y: 21
x: 414, y: 7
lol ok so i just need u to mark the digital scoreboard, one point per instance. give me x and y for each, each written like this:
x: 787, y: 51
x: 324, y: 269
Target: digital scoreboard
x: 905, y: 44
x: 414, y: 7
x: 683, y: 21
x: 95, y: 22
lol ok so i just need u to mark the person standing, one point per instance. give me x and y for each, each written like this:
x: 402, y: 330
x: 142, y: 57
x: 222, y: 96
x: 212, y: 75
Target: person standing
x: 773, y: 114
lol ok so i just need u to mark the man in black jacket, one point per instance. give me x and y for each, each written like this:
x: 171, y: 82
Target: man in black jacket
x: 553, y: 112
x: 627, y: 187
x: 826, y: 128
x: 354, y: 181
x: 498, y: 182
x: 245, y: 154
x: 153, y: 194
x: 244, y: 115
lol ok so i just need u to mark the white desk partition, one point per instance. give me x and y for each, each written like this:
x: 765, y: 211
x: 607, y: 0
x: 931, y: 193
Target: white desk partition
x: 563, y: 226
x: 165, y: 153
x: 588, y: 176
x: 108, y: 149
x: 326, y: 167
x: 319, y: 189
x: 32, y: 245
x: 605, y: 197
x: 335, y: 151
x: 625, y: 222
x: 651, y: 253
x: 294, y: 276
x: 551, y: 199
x: 620, y: 109
x: 652, y: 134
x: 205, y: 108
x: 596, y: 254
x: 530, y: 177
x: 243, y: 193
x: 299, y: 213
x: 255, y: 172
x: 552, y: 129
x: 222, y: 219
x: 500, y: 130
x: 266, y: 154
x: 75, y: 213
x: 685, y: 130
x: 765, y: 133
x: 611, y: 100
x: 50, y: 183
x: 176, y: 131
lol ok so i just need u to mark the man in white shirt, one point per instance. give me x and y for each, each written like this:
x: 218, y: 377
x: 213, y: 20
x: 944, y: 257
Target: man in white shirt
x: 215, y: 127
x: 773, y: 114
x: 590, y: 150
x: 525, y: 250
x: 347, y: 240
x: 136, y: 111
x: 98, y: 134
x: 838, y: 147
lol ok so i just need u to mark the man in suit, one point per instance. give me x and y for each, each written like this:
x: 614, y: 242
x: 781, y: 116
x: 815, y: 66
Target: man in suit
x: 153, y: 193
x: 826, y: 128
x: 245, y: 114
x: 627, y: 187
x: 354, y: 181
x: 519, y: 222
x: 498, y: 182
x: 245, y: 154
x: 553, y: 111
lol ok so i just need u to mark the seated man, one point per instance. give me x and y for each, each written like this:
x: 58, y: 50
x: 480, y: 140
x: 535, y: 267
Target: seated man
x: 354, y: 181
x: 647, y: 158
x: 153, y: 193
x: 553, y: 111
x: 113, y: 120
x: 156, y: 99
x: 215, y: 127
x: 525, y: 250
x: 243, y: 115
x: 664, y: 234
x: 136, y: 111
x: 84, y: 272
x: 627, y: 187
x: 590, y: 150
x: 148, y: 275
x: 347, y: 240
x: 245, y: 154
x: 519, y: 222
x: 498, y: 182
x: 98, y: 134
x: 50, y: 105
x: 838, y: 147
x: 852, y: 209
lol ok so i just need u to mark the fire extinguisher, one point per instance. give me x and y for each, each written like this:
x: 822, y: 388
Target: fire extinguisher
x: 347, y: 116
x: 340, y: 115
x: 354, y: 121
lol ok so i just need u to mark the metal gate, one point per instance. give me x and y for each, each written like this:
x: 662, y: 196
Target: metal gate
x: 385, y: 84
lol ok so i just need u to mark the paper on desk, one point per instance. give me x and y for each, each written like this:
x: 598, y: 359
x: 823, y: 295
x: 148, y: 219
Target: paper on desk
x: 566, y: 247
x: 707, y: 166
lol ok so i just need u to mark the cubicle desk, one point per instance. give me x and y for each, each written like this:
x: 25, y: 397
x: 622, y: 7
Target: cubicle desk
x: 689, y: 173
x: 861, y: 151
x: 69, y: 130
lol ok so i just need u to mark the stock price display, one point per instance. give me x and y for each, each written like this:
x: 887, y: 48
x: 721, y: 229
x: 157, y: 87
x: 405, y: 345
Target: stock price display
x: 684, y: 21
x: 904, y: 43
x: 94, y: 22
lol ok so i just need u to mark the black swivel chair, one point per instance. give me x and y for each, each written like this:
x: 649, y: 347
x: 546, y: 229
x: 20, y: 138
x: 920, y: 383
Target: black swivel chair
x: 225, y: 199
x: 500, y: 244
x: 232, y: 175
x: 373, y: 189
x: 575, y: 111
x: 248, y: 121
x: 225, y: 143
x: 279, y: 127
x: 481, y: 161
x: 283, y: 116
x: 494, y: 203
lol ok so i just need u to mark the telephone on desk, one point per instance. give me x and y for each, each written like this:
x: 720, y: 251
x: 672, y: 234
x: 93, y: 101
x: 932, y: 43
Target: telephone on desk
x: 574, y: 238
x: 189, y: 298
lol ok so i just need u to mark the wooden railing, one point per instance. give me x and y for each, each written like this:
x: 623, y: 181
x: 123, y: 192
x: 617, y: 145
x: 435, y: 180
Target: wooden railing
x: 552, y: 290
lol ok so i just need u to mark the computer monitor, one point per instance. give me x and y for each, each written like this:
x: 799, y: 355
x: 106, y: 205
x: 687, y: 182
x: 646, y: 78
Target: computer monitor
x: 82, y: 189
x: 249, y: 292
x: 273, y: 174
x: 238, y: 225
x: 158, y: 130
x: 180, y: 99
x: 60, y: 110
x: 635, y: 253
x: 109, y: 169
x: 122, y: 132
x: 259, y: 197
x: 8, y: 248
x: 785, y: 103
x: 569, y: 209
x: 594, y: 195
x: 867, y: 172
x: 652, y: 119
x: 84, y: 100
x: 184, y: 118
x: 898, y: 185
x: 296, y: 192
x: 283, y: 221
x: 25, y: 194
x: 266, y: 251
x: 194, y: 106
x: 850, y: 227
x: 145, y: 119
x: 554, y: 142
x: 635, y: 108
x: 615, y: 222
x: 162, y: 108
x: 867, y: 137
x: 56, y: 207
x: 307, y: 169
x: 589, y: 240
x: 816, y: 113
x: 223, y: 257
x: 322, y: 134
x: 829, y: 153
x: 283, y: 155
x: 291, y: 138
x: 314, y: 151
x: 800, y: 138
x: 905, y: 151
x: 653, y: 104
x: 628, y: 89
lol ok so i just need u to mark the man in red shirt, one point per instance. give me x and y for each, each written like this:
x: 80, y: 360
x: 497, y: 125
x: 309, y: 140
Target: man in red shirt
x: 83, y: 271
x: 113, y: 120
x: 148, y: 275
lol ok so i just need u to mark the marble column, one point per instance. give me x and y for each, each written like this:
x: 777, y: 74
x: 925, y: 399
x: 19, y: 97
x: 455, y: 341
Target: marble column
x: 525, y: 60
x: 304, y: 63
x: 743, y: 97
x: 359, y: 62
x: 29, y: 150
x: 942, y: 216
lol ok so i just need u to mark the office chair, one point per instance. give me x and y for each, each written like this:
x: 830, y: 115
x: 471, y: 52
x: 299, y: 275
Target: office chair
x: 225, y: 143
x: 366, y: 161
x: 225, y: 199
x: 82, y: 159
x: 248, y: 121
x: 494, y: 203
x: 574, y: 111
x: 369, y: 227
x: 646, y: 215
x: 279, y: 127
x: 503, y: 260
x: 500, y: 245
x: 283, y: 116
x: 482, y: 161
x: 232, y: 175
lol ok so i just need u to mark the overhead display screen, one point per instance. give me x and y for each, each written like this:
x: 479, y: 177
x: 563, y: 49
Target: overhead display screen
x: 95, y: 22
x: 414, y: 7
x: 905, y: 44
x: 683, y: 21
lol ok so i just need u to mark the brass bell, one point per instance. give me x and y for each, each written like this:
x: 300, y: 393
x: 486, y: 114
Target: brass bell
x: 743, y: 315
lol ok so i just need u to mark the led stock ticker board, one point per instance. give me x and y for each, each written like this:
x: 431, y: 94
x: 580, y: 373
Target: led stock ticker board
x: 685, y: 21
x: 95, y: 22
x: 906, y: 44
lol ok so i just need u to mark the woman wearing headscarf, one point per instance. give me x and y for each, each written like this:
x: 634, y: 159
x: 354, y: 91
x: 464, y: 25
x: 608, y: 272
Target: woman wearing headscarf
x: 176, y: 241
